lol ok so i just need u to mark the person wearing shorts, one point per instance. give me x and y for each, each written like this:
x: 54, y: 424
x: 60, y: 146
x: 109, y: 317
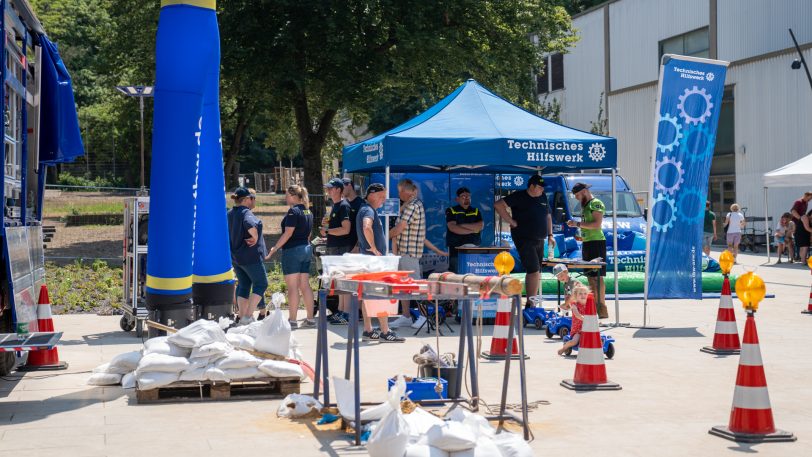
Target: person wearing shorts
x: 594, y: 241
x: 296, y: 254
x: 735, y: 223
x: 709, y: 229
x: 247, y: 253
x: 530, y: 223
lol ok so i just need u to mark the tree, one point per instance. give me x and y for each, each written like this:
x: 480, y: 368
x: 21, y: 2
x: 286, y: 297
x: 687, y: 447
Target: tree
x: 601, y: 125
x: 318, y: 58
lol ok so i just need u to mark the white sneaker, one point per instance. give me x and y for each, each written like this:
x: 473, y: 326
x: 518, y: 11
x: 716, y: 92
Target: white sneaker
x: 419, y: 322
x: 401, y: 321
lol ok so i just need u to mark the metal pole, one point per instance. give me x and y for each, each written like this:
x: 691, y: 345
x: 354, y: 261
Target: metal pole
x: 614, y: 244
x: 141, y: 106
x: 766, y: 227
x: 522, y: 370
x: 386, y: 225
x: 356, y: 377
x: 801, y: 54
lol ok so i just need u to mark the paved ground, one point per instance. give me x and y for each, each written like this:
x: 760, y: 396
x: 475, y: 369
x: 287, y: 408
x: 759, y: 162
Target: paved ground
x: 672, y: 393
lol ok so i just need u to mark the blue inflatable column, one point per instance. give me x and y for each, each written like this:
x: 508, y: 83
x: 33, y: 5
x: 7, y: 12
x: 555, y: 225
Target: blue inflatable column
x: 212, y: 278
x: 187, y: 51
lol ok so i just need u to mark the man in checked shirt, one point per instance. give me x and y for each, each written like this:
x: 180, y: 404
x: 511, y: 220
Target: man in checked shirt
x: 408, y: 235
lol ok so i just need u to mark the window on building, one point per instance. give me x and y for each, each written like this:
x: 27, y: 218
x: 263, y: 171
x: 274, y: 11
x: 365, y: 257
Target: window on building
x: 551, y: 77
x: 694, y: 44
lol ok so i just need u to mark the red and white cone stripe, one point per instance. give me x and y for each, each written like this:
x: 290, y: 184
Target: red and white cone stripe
x: 501, y: 326
x: 45, y: 320
x: 726, y: 335
x: 751, y: 412
x: 809, y: 305
x: 590, y: 367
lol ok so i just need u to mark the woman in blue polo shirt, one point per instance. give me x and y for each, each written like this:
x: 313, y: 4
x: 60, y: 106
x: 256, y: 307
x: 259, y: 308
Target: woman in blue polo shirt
x: 247, y: 253
x: 296, y: 253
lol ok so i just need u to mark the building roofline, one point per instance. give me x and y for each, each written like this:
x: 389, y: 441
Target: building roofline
x: 594, y: 8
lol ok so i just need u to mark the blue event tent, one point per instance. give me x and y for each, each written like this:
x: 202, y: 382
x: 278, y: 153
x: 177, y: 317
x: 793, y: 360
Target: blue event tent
x: 473, y: 129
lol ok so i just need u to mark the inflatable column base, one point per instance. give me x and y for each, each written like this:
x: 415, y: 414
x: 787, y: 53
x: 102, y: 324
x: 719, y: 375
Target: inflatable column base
x: 175, y: 311
x: 213, y: 301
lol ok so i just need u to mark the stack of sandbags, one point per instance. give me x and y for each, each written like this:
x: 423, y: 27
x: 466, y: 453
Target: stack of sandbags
x: 111, y: 373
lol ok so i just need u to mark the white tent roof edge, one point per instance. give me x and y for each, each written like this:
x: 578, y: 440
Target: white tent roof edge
x: 795, y: 174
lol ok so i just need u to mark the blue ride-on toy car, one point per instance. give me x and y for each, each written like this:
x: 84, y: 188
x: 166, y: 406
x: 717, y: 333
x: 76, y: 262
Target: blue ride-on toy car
x: 537, y: 316
x: 606, y: 340
x: 558, y: 325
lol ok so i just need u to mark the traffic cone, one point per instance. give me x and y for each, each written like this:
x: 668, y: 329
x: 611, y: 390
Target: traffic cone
x: 726, y: 336
x: 751, y: 417
x: 47, y: 359
x: 501, y: 326
x: 808, y: 309
x: 590, y: 371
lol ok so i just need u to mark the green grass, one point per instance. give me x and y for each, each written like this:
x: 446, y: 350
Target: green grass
x: 73, y: 208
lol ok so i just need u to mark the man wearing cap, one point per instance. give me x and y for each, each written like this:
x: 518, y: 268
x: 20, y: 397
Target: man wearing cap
x: 355, y: 202
x: 372, y: 241
x: 464, y: 225
x: 530, y: 223
x: 340, y: 238
x: 594, y: 241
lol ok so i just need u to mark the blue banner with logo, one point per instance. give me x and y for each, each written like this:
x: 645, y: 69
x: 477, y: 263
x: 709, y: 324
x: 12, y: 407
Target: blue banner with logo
x: 690, y: 101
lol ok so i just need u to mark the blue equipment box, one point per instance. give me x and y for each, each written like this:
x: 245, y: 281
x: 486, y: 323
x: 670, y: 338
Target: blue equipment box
x: 422, y: 388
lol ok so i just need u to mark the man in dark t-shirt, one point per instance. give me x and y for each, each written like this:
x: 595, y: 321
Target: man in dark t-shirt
x: 339, y: 226
x: 464, y: 226
x: 530, y: 223
x: 355, y: 202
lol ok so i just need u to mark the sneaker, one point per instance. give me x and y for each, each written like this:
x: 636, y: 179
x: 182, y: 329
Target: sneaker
x: 308, y: 323
x: 337, y: 319
x: 261, y: 315
x: 293, y: 325
x: 246, y: 320
x: 391, y: 337
x: 419, y: 322
x: 401, y: 321
x: 374, y: 335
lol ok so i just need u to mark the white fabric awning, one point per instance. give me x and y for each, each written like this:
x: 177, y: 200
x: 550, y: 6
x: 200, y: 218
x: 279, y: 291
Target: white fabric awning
x: 795, y: 174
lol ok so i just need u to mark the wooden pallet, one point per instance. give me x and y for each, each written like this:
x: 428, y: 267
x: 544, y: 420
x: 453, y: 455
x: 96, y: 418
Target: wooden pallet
x: 249, y: 389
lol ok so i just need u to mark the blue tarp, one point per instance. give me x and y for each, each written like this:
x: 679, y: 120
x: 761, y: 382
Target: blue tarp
x: 472, y: 129
x: 60, y: 139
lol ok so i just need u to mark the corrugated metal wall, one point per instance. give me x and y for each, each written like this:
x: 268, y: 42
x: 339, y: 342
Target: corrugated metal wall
x: 753, y: 27
x: 583, y: 72
x: 636, y: 28
x: 773, y: 123
x: 631, y: 121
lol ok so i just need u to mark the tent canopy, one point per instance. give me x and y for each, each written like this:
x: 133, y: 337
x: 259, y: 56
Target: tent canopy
x: 474, y: 130
x: 795, y: 174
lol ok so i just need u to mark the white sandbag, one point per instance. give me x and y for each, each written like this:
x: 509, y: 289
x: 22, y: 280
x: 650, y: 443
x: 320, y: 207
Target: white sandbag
x: 160, y: 345
x: 281, y: 369
x: 163, y: 363
x: 420, y: 421
x: 125, y: 363
x: 240, y: 340
x: 345, y: 399
x: 512, y: 445
x: 273, y: 335
x: 102, y: 368
x: 390, y: 437
x: 197, y: 334
x: 424, y: 450
x: 485, y: 447
x: 194, y: 373
x: 104, y: 379
x: 216, y: 374
x: 479, y: 426
x: 218, y: 348
x: 204, y: 361
x: 294, y: 352
x: 128, y: 381
x: 154, y: 379
x: 297, y: 405
x: 236, y: 374
x: 237, y: 359
x: 224, y: 322
x: 451, y: 436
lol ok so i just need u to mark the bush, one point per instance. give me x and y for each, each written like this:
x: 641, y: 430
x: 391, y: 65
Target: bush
x: 67, y: 179
x: 83, y: 287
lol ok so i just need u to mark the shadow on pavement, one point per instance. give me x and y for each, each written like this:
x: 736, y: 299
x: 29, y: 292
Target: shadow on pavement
x: 685, y: 332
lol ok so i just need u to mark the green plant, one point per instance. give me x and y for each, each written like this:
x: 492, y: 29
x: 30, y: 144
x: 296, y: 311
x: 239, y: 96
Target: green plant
x: 83, y: 287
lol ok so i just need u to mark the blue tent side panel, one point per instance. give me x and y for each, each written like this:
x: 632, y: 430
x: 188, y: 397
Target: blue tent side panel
x: 60, y: 138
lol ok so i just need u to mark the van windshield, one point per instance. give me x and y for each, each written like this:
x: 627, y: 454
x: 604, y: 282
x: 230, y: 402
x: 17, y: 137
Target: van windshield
x: 626, y: 204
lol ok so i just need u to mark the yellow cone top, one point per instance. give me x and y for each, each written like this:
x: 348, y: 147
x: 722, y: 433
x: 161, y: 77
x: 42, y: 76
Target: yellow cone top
x: 504, y: 263
x: 726, y: 261
x: 751, y: 290
x: 809, y: 262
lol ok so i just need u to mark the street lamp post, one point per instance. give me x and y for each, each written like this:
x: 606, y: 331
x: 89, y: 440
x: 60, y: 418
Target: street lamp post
x: 797, y: 63
x: 141, y: 92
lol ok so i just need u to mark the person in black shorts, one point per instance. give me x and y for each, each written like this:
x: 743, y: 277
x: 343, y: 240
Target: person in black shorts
x: 463, y: 226
x: 530, y: 223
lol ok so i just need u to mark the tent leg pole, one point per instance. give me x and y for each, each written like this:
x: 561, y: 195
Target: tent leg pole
x: 767, y: 227
x: 614, y: 246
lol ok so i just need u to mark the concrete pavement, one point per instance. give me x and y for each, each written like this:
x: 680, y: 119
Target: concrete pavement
x: 672, y: 393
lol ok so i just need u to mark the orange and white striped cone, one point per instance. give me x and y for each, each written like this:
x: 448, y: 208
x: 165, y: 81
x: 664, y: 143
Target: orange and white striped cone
x: 590, y: 370
x: 726, y: 336
x: 47, y: 359
x: 808, y: 309
x: 501, y: 326
x: 751, y: 417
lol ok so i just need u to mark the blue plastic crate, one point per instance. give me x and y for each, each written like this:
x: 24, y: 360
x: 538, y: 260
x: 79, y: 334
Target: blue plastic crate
x: 423, y: 388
